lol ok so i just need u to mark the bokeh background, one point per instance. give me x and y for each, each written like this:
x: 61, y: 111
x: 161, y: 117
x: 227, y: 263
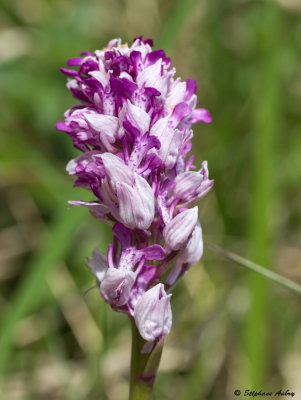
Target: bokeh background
x: 232, y: 329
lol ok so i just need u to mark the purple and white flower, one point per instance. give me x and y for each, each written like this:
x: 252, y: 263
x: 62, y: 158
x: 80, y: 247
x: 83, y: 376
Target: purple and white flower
x: 133, y: 127
x: 116, y: 286
x: 178, y: 231
x: 152, y: 313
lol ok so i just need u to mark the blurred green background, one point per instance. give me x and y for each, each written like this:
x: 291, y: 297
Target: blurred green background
x: 232, y: 329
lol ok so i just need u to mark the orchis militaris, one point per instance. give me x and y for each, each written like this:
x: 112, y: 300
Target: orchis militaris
x: 133, y: 126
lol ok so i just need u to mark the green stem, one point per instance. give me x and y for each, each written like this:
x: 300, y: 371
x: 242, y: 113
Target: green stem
x: 143, y: 367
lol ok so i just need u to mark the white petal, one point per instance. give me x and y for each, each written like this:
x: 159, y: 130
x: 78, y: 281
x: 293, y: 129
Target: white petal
x: 138, y: 117
x: 104, y: 124
x: 177, y: 232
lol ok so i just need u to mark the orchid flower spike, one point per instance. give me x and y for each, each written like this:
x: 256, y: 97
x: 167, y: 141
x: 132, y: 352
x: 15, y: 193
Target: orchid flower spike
x: 132, y: 125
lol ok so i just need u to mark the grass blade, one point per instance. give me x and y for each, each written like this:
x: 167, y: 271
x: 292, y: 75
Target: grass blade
x: 273, y: 276
x: 267, y: 116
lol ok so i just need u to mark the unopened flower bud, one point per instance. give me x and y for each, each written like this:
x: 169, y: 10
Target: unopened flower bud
x: 194, y: 249
x: 152, y: 313
x: 137, y: 204
x: 177, y: 232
